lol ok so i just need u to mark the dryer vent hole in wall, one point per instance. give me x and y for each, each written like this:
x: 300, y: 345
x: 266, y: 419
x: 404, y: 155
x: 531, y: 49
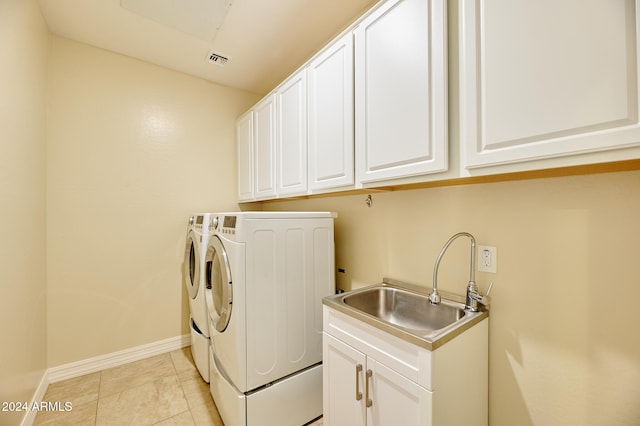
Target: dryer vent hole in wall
x: 218, y: 59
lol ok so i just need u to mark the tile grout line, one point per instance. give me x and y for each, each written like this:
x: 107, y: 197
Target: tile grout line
x: 95, y: 418
x: 184, y: 395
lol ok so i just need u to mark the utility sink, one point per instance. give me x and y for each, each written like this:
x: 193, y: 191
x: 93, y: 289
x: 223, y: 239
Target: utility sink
x: 406, y: 312
x: 405, y: 309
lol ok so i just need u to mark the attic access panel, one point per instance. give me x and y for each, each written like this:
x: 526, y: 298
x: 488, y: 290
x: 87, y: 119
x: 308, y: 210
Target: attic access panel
x: 199, y: 18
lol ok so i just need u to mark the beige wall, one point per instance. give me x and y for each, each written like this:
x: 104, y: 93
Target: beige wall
x: 564, y: 346
x: 133, y: 150
x: 23, y: 50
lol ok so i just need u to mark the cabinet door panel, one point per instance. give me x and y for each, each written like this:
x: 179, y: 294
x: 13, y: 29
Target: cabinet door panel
x: 545, y: 79
x: 396, y: 400
x: 244, y: 130
x: 264, y: 148
x: 340, y: 405
x: 401, y: 90
x: 331, y: 161
x: 292, y: 135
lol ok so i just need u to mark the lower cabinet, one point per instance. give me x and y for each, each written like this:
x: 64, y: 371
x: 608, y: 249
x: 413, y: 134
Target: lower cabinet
x: 359, y: 389
x: 371, y: 377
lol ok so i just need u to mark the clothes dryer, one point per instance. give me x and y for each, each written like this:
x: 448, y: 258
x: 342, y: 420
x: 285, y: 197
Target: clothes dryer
x: 267, y: 274
x: 198, y: 233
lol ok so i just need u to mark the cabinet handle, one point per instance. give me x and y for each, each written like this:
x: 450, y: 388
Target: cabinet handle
x: 358, y: 371
x: 369, y: 401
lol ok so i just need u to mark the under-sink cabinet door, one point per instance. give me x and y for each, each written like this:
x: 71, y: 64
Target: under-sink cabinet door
x: 359, y: 390
x: 396, y: 400
x: 343, y: 384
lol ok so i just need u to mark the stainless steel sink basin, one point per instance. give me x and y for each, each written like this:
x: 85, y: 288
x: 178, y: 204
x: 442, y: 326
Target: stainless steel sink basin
x: 405, y: 309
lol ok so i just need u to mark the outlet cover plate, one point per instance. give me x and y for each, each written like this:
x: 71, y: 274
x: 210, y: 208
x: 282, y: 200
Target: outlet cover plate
x: 487, y: 259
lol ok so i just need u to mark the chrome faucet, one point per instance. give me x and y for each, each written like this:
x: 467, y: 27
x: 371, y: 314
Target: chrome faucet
x: 474, y: 298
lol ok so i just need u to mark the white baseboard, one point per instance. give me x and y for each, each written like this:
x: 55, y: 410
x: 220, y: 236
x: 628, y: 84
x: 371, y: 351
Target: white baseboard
x: 98, y: 363
x: 38, y: 396
x: 91, y: 365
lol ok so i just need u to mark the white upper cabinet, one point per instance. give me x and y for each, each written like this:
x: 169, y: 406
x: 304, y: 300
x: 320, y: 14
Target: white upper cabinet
x: 264, y: 117
x: 542, y: 84
x: 547, y: 79
x: 330, y: 76
x: 401, y: 90
x: 291, y: 161
x: 244, y: 128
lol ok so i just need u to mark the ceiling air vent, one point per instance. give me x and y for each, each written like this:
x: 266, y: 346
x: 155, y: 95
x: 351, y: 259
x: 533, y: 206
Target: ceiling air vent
x: 218, y: 59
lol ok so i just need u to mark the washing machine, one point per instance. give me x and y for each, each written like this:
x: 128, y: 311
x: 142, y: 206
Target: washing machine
x: 267, y: 274
x: 198, y: 233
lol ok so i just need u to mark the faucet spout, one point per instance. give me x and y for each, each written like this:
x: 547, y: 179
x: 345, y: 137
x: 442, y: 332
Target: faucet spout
x: 434, y: 297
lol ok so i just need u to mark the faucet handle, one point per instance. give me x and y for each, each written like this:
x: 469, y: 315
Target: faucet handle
x: 489, y: 289
x: 474, y: 298
x: 486, y: 299
x: 480, y: 298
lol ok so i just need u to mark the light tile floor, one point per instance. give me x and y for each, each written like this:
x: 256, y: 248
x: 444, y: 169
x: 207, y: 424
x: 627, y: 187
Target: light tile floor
x: 162, y: 390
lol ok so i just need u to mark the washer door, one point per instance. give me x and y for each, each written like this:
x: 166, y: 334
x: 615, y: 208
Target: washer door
x: 192, y: 264
x: 218, y: 279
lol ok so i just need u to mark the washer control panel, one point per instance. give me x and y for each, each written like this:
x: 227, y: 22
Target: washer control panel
x: 196, y: 222
x: 229, y: 225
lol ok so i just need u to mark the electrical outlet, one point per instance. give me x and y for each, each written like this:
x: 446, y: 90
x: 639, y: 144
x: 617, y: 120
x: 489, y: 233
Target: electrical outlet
x: 487, y: 259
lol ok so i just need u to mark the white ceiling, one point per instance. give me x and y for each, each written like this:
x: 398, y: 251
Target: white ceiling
x: 266, y: 39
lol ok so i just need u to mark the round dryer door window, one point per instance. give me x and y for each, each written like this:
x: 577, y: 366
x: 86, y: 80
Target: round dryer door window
x: 219, y: 281
x: 192, y: 264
